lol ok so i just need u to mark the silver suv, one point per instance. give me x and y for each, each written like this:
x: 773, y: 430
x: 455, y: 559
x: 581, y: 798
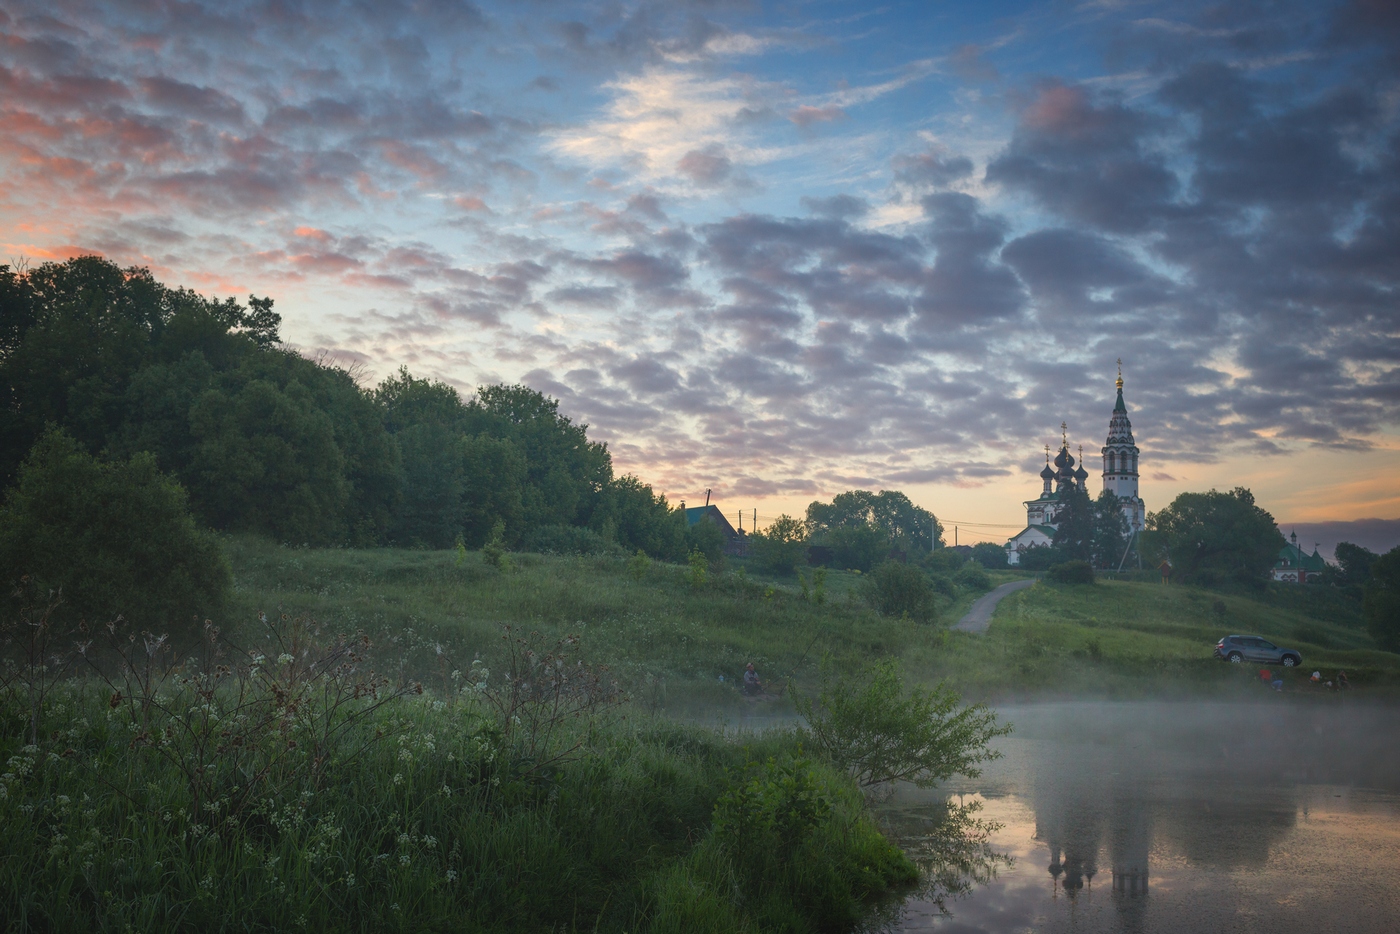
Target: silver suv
x: 1254, y: 649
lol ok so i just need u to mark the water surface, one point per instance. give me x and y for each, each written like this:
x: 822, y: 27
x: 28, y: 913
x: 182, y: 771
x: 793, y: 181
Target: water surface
x: 1142, y: 817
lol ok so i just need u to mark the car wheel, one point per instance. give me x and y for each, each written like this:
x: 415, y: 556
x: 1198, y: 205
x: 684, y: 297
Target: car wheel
x: 1289, y: 661
x: 1235, y: 658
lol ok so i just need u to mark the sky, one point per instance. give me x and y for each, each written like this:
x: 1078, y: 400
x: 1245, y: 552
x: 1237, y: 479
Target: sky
x: 776, y: 251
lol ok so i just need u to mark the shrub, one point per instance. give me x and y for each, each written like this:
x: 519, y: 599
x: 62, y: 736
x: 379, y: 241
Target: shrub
x: 973, y: 577
x: 942, y: 561
x: 1071, y: 572
x: 115, y: 538
x: 779, y: 548
x: 895, y: 589
x: 866, y: 724
x: 699, y: 569
x: 800, y: 847
x: 494, y: 551
x: 705, y: 537
x: 1040, y: 558
x: 990, y: 556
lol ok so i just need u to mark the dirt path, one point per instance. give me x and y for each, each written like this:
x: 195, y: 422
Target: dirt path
x: 979, y: 617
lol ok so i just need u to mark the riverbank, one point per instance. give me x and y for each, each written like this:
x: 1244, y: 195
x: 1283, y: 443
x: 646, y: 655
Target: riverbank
x: 680, y: 645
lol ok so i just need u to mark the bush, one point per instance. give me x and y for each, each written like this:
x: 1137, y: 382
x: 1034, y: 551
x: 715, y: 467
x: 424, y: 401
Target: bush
x: 494, y: 551
x: 942, y: 561
x: 992, y: 557
x: 801, y: 846
x: 779, y: 548
x: 705, y: 537
x: 1071, y: 572
x: 1040, y: 558
x: 115, y: 538
x: 895, y: 589
x: 973, y: 577
x: 867, y: 725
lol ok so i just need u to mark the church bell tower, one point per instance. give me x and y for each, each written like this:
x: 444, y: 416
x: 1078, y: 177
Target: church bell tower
x: 1120, y: 461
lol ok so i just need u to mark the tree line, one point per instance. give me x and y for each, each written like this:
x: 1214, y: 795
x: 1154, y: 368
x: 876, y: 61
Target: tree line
x: 263, y: 440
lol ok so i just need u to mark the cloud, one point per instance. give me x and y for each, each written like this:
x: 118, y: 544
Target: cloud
x: 806, y: 115
x: 935, y: 167
x: 707, y: 167
x: 1221, y: 210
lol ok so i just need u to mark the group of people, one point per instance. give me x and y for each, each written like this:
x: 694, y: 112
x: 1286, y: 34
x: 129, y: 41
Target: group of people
x: 1276, y: 681
x: 1341, y: 683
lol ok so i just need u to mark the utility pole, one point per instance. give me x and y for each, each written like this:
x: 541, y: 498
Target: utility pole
x: 707, y: 499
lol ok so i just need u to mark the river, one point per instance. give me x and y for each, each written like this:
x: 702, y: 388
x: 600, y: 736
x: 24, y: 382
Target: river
x: 1273, y: 817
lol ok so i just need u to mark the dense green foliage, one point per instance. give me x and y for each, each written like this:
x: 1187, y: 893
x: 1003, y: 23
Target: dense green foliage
x: 1353, y: 564
x: 869, y: 724
x: 1071, y: 572
x: 991, y: 556
x: 862, y: 528
x: 1093, y: 531
x: 901, y: 590
x: 266, y: 441
x: 113, y: 538
x: 781, y: 547
x: 422, y: 815
x: 1211, y: 538
x: 1382, y: 603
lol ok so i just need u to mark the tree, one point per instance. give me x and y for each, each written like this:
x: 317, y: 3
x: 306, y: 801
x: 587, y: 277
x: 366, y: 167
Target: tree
x: 1213, y: 537
x: 640, y: 519
x: 1110, y: 530
x: 266, y: 461
x: 1381, y: 604
x: 902, y: 524
x: 115, y: 538
x: 778, y: 549
x: 1354, y: 563
x: 990, y: 556
x: 1075, y: 529
x: 566, y: 472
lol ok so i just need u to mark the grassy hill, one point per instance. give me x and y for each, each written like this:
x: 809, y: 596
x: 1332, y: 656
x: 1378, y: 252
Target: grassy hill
x: 672, y: 641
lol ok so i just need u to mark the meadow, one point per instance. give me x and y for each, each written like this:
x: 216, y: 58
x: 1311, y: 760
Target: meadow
x: 671, y: 641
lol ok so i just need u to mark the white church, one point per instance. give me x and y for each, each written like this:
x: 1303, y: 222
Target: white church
x: 1120, y: 474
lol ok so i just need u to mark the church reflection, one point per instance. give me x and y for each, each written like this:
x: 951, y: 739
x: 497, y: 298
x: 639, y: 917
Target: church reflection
x: 1096, y: 813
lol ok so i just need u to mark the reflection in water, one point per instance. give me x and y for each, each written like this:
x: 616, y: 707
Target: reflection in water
x: 950, y: 842
x: 1202, y: 816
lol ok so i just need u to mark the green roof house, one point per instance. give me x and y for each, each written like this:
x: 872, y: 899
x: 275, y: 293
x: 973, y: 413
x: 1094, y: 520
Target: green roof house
x: 1295, y: 566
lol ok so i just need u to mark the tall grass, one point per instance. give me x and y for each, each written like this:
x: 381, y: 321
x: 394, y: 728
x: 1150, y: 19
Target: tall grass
x: 670, y: 642
x: 302, y: 789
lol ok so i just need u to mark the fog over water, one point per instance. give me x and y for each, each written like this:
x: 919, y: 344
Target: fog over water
x: 1144, y: 816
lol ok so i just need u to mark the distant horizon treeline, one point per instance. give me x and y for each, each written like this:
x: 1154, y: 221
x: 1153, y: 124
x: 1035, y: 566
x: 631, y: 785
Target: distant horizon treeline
x: 266, y: 441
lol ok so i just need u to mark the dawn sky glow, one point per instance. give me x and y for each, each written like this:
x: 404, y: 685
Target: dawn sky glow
x: 780, y: 250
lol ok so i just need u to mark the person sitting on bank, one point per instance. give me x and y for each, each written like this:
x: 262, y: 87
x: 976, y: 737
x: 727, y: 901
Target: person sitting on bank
x: 1342, y: 681
x: 752, y: 686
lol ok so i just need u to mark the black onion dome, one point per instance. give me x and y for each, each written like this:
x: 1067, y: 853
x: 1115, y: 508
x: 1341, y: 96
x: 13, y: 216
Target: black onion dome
x: 1064, y: 458
x: 1081, y: 474
x: 1047, y: 473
